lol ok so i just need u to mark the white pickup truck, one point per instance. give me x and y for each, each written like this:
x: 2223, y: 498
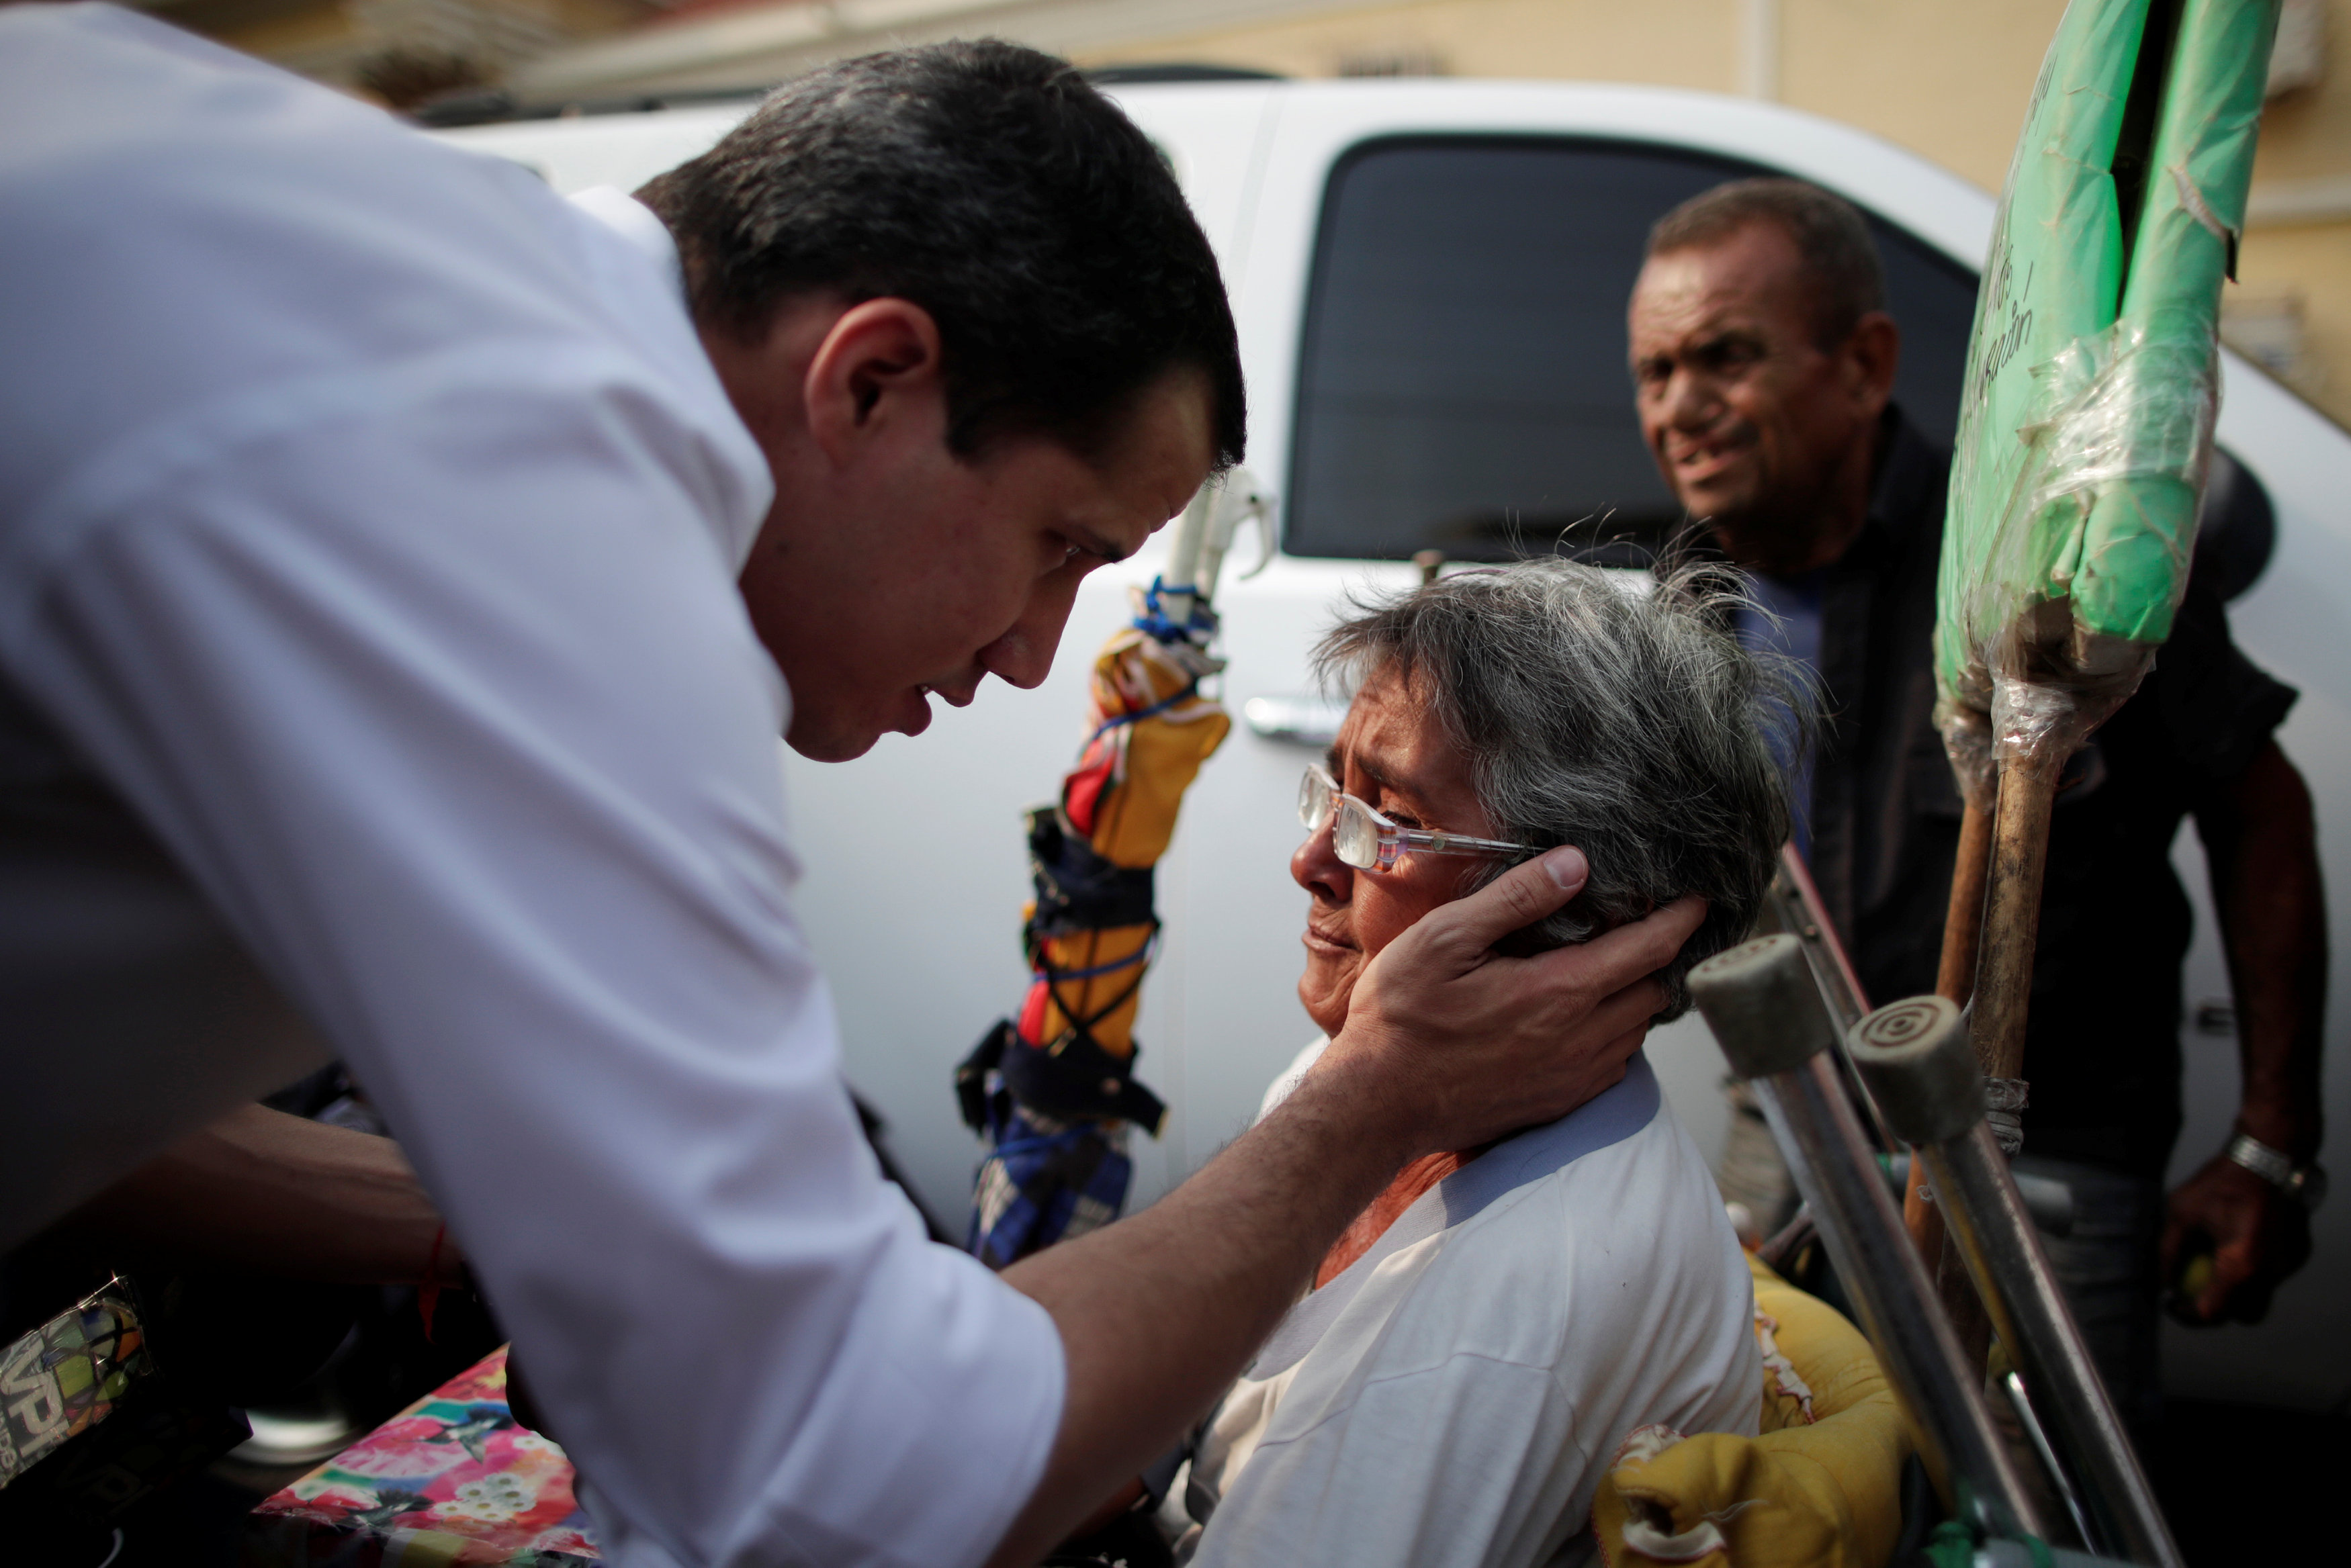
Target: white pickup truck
x: 1430, y: 279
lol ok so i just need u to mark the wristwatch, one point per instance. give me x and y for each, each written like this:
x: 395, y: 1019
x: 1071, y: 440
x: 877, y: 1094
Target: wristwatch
x: 2305, y: 1184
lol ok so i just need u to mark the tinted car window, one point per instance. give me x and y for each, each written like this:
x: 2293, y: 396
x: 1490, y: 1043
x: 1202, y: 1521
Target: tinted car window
x: 1463, y: 385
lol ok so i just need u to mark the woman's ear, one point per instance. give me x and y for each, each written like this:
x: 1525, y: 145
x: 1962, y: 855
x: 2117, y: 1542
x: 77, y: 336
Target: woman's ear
x: 1546, y: 934
x: 1557, y: 930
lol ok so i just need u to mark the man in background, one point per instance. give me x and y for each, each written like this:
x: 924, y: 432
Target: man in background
x: 1764, y: 362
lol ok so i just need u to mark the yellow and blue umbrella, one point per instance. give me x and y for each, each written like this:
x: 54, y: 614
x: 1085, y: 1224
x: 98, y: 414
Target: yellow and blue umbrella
x: 1054, y: 1091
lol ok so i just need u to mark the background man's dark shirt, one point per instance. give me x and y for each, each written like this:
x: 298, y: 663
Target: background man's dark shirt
x: 2102, y: 1053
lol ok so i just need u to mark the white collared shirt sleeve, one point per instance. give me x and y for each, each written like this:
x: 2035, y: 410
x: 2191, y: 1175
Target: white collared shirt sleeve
x: 369, y: 526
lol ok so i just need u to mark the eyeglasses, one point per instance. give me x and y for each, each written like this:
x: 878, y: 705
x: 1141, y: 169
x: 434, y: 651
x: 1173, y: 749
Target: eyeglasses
x: 1368, y: 841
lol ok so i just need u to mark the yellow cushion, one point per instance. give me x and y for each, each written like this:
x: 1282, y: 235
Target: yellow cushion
x: 1820, y: 1491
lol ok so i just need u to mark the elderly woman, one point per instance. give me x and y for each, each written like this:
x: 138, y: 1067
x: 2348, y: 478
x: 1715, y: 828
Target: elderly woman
x: 1491, y: 1331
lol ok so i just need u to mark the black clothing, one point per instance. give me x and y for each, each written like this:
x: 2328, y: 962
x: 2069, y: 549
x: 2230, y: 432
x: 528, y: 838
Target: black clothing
x: 2102, y: 1049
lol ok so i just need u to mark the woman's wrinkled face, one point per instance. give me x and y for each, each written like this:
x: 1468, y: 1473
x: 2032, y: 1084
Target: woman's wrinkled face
x: 1392, y: 755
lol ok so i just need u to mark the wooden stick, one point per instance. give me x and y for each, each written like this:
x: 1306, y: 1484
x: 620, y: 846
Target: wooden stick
x: 2004, y: 988
x: 2011, y: 921
x: 1956, y: 979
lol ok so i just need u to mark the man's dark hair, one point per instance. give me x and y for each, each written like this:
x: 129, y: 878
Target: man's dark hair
x: 1839, y: 256
x: 995, y: 188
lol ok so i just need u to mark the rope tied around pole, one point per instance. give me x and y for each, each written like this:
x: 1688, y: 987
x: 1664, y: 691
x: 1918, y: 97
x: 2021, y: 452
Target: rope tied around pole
x: 2004, y: 1111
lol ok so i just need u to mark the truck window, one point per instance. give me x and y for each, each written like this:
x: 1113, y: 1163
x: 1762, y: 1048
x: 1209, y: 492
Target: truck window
x: 1462, y: 383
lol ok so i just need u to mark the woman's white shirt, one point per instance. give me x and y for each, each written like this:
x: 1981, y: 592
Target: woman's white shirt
x: 1453, y: 1398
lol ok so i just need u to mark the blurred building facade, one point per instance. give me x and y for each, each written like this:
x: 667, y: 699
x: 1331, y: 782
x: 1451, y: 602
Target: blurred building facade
x: 402, y: 52
x: 1946, y: 78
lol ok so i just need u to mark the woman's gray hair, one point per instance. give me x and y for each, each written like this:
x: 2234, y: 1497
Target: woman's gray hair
x: 1616, y: 713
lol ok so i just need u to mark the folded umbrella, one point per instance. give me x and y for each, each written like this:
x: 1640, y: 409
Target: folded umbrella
x: 1052, y: 1092
x: 2085, y: 428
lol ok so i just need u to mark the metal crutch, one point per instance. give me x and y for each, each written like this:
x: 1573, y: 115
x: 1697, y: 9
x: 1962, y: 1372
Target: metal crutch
x: 1924, y: 1076
x: 1766, y: 1012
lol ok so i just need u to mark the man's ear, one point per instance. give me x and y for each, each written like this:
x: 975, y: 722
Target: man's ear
x: 877, y: 369
x: 1872, y: 355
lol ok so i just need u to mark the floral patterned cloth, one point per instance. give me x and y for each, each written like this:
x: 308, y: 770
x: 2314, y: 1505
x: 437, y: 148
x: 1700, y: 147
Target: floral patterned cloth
x: 449, y: 1482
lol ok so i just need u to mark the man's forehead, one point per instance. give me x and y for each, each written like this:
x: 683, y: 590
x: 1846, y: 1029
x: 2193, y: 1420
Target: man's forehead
x: 1745, y: 278
x: 1114, y: 513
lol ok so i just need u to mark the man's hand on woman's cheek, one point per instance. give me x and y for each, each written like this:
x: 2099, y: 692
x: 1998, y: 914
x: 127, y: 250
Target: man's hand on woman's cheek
x: 1464, y: 1045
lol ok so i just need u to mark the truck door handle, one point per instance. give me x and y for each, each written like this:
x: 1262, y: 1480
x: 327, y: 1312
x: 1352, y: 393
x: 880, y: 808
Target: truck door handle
x: 1300, y: 720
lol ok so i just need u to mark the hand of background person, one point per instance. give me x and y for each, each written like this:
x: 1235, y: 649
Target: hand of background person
x: 2257, y: 1236
x: 1483, y: 1044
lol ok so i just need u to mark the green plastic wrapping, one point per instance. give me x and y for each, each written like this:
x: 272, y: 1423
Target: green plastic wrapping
x: 2093, y: 373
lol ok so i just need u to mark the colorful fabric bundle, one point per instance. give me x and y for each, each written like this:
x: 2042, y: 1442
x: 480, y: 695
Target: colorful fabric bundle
x: 449, y: 1482
x: 1054, y: 1092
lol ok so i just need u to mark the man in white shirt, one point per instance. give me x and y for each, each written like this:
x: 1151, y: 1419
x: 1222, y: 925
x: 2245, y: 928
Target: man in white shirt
x: 387, y: 550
